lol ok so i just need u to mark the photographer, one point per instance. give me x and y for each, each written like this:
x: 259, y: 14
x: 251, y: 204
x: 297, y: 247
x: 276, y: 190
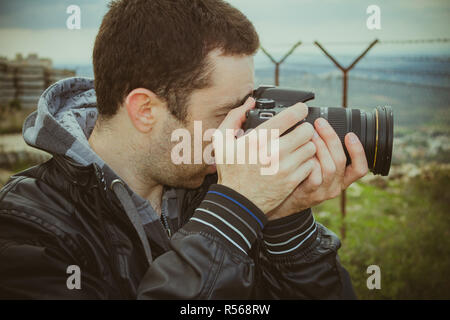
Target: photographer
x: 112, y: 202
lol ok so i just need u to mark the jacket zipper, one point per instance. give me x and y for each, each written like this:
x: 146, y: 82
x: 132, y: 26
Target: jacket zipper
x: 165, y: 223
x: 111, y: 248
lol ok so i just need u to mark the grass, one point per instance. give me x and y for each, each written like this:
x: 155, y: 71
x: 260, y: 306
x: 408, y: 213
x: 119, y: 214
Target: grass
x: 404, y: 229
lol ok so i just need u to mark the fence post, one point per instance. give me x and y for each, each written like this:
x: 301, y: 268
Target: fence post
x: 345, y: 71
x: 278, y: 63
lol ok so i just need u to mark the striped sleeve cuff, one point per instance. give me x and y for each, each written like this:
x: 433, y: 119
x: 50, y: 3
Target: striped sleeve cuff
x: 230, y: 216
x: 287, y: 236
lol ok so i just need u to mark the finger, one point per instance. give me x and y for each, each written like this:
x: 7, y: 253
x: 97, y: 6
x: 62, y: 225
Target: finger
x: 327, y: 133
x: 323, y: 155
x: 358, y: 168
x: 236, y: 117
x: 314, y: 180
x: 299, y: 175
x: 286, y: 118
x: 297, y: 137
x: 224, y: 137
x: 299, y: 156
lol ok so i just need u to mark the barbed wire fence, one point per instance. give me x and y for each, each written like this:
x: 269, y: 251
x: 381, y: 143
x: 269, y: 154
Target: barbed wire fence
x: 345, y: 71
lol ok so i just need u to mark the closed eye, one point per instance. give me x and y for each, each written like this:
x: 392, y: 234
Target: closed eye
x: 227, y: 108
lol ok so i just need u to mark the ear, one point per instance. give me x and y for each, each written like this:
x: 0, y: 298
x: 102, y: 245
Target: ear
x: 142, y: 105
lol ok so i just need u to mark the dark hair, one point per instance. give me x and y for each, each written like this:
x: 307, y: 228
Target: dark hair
x: 162, y: 45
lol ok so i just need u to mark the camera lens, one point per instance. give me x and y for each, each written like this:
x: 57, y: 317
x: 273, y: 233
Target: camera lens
x: 375, y: 130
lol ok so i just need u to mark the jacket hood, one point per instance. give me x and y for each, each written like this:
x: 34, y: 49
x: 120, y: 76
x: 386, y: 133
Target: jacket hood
x: 64, y: 119
x: 61, y: 125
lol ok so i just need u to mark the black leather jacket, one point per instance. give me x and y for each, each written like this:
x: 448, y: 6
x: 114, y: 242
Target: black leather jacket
x: 59, y: 214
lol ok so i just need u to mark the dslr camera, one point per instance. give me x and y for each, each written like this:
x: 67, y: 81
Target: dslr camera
x: 375, y: 129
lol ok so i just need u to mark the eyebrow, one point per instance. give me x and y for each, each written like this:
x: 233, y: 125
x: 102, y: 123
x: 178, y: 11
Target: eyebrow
x: 237, y: 103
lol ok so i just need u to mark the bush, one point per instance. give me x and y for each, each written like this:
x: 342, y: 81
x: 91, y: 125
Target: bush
x: 403, y: 229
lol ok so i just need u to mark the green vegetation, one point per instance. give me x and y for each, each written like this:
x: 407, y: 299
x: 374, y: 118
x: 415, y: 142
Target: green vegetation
x: 404, y: 229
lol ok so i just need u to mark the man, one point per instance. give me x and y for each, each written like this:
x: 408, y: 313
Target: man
x: 111, y: 203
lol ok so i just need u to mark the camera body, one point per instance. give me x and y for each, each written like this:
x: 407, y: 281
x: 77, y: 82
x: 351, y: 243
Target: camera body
x: 270, y: 101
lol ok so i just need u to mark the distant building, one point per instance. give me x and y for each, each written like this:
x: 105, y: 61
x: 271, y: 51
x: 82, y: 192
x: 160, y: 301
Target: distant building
x: 7, y: 83
x: 24, y: 79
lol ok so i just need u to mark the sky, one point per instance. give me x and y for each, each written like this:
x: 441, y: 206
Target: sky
x: 40, y: 25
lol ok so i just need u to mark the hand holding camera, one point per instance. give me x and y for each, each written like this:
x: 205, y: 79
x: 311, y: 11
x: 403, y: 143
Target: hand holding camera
x: 294, y: 157
x: 330, y: 174
x: 313, y: 167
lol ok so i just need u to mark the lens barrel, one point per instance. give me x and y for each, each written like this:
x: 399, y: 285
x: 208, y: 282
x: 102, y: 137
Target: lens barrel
x: 374, y: 129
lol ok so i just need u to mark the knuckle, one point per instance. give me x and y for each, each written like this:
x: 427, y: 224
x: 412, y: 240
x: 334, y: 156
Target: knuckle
x: 340, y: 161
x: 362, y: 171
x: 312, y: 147
x: 300, y: 109
x: 335, y: 193
x: 308, y: 149
x: 366, y: 170
x: 308, y: 129
x: 316, y: 182
x: 329, y: 169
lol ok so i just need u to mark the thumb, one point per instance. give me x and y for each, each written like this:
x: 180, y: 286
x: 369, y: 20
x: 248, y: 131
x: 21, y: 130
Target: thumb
x: 236, y: 117
x: 358, y: 168
x: 232, y: 122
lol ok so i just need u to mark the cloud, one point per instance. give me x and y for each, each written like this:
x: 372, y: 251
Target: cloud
x: 40, y: 25
x: 48, y: 14
x: 61, y: 45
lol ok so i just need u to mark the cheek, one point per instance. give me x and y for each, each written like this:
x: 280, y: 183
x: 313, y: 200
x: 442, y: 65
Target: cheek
x: 214, y: 122
x: 207, y: 124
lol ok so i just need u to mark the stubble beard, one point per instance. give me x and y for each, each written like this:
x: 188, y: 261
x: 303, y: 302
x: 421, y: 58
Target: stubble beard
x: 156, y: 164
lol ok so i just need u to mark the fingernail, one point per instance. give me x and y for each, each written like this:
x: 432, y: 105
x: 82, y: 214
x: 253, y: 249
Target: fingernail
x: 321, y: 123
x: 353, y: 138
x: 315, y: 135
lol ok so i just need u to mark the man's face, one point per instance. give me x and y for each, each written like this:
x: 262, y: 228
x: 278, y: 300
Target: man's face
x: 232, y: 80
